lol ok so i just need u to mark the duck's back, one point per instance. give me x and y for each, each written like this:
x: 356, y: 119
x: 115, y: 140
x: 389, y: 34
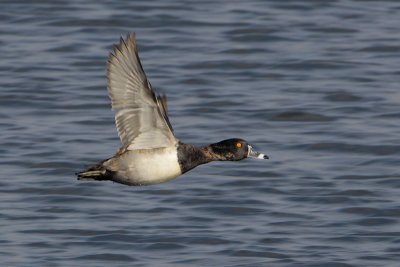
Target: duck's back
x: 145, y: 166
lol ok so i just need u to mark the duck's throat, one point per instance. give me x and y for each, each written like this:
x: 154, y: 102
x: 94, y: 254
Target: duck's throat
x: 190, y: 156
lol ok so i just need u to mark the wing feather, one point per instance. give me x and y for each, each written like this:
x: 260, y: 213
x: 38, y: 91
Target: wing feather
x: 140, y: 114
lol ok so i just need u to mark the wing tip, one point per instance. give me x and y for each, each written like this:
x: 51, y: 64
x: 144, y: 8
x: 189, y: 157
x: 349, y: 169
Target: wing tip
x: 124, y: 44
x: 129, y: 42
x: 131, y: 37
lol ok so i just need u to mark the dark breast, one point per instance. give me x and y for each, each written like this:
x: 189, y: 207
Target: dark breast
x: 190, y: 156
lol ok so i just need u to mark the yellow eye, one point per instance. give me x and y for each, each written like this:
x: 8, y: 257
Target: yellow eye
x: 238, y: 145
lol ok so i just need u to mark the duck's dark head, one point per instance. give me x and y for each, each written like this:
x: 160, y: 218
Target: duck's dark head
x: 234, y: 149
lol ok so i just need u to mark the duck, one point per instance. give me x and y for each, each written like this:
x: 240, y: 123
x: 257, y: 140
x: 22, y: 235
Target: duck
x: 150, y: 152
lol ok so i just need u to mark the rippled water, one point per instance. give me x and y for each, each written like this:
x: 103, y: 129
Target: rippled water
x: 314, y: 84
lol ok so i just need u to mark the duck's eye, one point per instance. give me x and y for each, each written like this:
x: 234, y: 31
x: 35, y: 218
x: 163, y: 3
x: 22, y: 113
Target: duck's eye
x: 238, y: 145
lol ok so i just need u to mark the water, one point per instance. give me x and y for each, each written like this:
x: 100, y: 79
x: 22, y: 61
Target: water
x: 313, y: 84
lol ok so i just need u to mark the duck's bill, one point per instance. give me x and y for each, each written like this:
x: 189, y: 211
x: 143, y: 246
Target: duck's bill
x: 255, y: 154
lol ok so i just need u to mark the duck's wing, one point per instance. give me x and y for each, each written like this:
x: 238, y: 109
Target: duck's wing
x: 140, y: 114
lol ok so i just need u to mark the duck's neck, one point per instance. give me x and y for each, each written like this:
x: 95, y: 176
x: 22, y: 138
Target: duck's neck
x: 190, y: 156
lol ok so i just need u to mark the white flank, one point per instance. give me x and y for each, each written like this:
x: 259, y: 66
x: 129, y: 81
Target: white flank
x: 148, y: 166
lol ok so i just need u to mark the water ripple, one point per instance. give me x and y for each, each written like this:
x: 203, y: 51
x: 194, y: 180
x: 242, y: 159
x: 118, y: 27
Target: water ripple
x: 313, y: 84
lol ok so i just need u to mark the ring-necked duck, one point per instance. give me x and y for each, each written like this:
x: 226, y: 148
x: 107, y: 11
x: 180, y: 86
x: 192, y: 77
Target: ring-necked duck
x: 150, y: 152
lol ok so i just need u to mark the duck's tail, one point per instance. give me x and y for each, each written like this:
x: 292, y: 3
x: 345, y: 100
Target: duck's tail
x: 95, y: 173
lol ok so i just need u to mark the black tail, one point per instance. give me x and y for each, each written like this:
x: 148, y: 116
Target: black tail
x: 95, y: 173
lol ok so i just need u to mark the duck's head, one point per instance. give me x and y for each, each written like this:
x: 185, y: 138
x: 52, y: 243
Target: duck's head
x: 235, y: 149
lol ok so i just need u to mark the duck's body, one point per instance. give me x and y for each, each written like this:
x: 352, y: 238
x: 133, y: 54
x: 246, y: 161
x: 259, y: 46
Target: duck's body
x: 150, y: 152
x: 145, y: 166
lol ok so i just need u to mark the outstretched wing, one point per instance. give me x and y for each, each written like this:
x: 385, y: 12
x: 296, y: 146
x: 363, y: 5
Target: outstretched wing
x: 140, y: 115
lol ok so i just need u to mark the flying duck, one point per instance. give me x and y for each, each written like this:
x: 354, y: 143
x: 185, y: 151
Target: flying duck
x: 150, y: 152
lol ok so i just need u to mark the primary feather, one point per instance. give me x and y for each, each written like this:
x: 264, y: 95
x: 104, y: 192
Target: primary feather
x: 140, y: 115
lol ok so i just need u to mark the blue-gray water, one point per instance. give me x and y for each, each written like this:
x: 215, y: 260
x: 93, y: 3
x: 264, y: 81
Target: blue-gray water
x: 314, y: 84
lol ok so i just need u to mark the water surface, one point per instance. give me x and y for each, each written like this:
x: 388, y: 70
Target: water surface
x: 313, y: 84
